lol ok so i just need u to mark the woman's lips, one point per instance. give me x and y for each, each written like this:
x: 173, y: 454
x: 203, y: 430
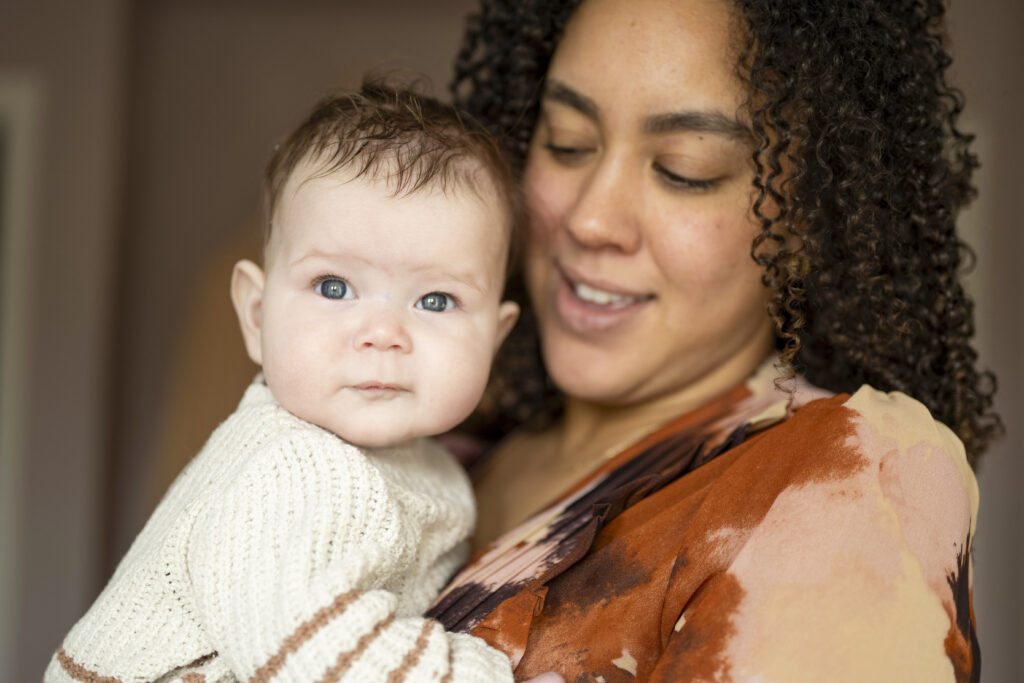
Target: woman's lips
x: 588, y: 306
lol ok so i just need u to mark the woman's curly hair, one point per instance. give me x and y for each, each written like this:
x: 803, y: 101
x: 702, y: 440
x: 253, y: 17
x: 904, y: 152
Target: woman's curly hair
x: 858, y: 156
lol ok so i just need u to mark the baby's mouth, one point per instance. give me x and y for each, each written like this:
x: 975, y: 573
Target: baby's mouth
x: 379, y: 386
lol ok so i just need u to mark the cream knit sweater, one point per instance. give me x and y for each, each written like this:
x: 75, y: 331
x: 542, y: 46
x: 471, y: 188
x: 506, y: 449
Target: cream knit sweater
x: 282, y: 553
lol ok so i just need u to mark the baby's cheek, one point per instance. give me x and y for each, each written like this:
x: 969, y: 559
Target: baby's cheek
x: 461, y: 380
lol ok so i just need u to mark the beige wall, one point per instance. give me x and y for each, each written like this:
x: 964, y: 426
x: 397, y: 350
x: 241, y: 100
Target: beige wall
x: 158, y: 116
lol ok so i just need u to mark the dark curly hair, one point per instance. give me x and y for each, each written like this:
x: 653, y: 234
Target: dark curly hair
x: 851, y: 98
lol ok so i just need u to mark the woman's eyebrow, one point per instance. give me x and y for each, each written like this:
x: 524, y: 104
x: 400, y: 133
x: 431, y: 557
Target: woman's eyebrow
x: 713, y: 122
x: 557, y: 91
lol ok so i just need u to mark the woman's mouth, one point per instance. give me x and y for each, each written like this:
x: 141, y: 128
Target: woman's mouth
x: 588, y: 307
x: 599, y: 297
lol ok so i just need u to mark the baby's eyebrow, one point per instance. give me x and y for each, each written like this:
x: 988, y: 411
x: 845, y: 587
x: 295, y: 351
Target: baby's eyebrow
x: 468, y: 278
x: 316, y: 254
x: 431, y: 270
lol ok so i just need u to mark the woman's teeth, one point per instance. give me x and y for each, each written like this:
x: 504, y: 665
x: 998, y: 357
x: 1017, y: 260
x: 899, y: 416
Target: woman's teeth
x: 600, y: 297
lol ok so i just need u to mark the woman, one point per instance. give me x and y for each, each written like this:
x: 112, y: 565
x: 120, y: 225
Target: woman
x: 721, y: 192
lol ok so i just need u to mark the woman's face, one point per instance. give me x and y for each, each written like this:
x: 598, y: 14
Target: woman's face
x: 638, y: 180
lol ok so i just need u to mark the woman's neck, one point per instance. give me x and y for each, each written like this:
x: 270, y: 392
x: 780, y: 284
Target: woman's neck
x: 593, y: 431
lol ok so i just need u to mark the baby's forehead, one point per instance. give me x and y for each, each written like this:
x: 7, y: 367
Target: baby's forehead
x: 474, y: 181
x: 308, y: 193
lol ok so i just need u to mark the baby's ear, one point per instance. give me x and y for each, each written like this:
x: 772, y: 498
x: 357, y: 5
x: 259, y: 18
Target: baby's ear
x: 247, y: 295
x: 508, y: 313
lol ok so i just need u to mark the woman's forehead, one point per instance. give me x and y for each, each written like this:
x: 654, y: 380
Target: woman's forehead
x: 659, y: 56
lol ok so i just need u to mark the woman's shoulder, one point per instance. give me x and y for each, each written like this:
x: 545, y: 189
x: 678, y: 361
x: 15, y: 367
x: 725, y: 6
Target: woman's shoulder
x: 880, y: 425
x: 888, y: 445
x: 867, y: 513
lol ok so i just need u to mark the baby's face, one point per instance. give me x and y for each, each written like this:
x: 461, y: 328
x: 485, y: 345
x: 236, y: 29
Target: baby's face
x: 380, y: 315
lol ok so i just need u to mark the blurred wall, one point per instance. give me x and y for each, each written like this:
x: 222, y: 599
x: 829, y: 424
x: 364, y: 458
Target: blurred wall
x: 157, y: 118
x: 74, y: 52
x: 988, y: 60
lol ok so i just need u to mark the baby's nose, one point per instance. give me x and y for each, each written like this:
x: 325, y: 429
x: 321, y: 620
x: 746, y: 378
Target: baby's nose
x: 383, y: 330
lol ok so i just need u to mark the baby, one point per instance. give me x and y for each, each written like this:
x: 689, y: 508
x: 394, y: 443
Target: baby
x: 317, y: 522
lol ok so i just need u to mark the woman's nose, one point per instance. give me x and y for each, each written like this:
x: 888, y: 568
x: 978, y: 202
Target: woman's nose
x: 604, y: 213
x: 383, y: 330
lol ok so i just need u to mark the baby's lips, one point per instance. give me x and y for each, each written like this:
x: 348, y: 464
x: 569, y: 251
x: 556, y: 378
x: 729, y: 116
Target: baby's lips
x: 379, y: 386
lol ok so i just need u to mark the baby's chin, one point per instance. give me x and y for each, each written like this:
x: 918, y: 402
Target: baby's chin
x: 386, y: 423
x: 386, y: 436
x: 390, y: 425
x: 380, y: 441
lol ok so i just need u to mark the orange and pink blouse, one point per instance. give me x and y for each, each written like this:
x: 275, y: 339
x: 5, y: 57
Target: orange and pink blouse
x: 779, y: 533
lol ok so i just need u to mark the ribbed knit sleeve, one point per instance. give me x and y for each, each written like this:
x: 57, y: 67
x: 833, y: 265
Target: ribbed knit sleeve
x: 294, y: 564
x: 282, y: 553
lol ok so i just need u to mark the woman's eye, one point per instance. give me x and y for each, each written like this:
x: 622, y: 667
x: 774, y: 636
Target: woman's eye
x: 682, y: 182
x: 332, y: 288
x: 567, y: 154
x: 436, y: 301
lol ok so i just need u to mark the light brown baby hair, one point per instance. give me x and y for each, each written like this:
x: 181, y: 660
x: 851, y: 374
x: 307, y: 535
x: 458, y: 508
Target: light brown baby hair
x: 402, y: 137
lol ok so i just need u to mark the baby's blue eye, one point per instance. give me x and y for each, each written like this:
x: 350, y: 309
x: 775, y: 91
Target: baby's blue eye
x: 332, y: 288
x: 435, y: 301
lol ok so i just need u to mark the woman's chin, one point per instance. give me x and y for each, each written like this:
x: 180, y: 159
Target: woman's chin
x: 588, y: 375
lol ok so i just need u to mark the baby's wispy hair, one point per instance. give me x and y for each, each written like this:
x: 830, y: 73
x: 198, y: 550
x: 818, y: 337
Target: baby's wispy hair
x: 395, y: 134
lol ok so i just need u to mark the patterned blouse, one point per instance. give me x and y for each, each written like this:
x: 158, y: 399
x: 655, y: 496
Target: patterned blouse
x: 767, y: 536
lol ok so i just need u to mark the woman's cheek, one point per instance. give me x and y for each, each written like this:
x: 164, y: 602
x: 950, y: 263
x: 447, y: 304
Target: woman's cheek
x: 682, y: 253
x: 710, y: 250
x: 545, y: 200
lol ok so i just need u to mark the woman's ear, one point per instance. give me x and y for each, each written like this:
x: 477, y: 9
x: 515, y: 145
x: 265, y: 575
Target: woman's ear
x: 508, y: 313
x: 247, y: 281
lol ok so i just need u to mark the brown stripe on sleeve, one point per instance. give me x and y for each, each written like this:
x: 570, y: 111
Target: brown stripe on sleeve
x: 412, y: 657
x: 345, y: 659
x: 304, y: 632
x: 79, y: 672
x: 447, y: 678
x: 193, y: 678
